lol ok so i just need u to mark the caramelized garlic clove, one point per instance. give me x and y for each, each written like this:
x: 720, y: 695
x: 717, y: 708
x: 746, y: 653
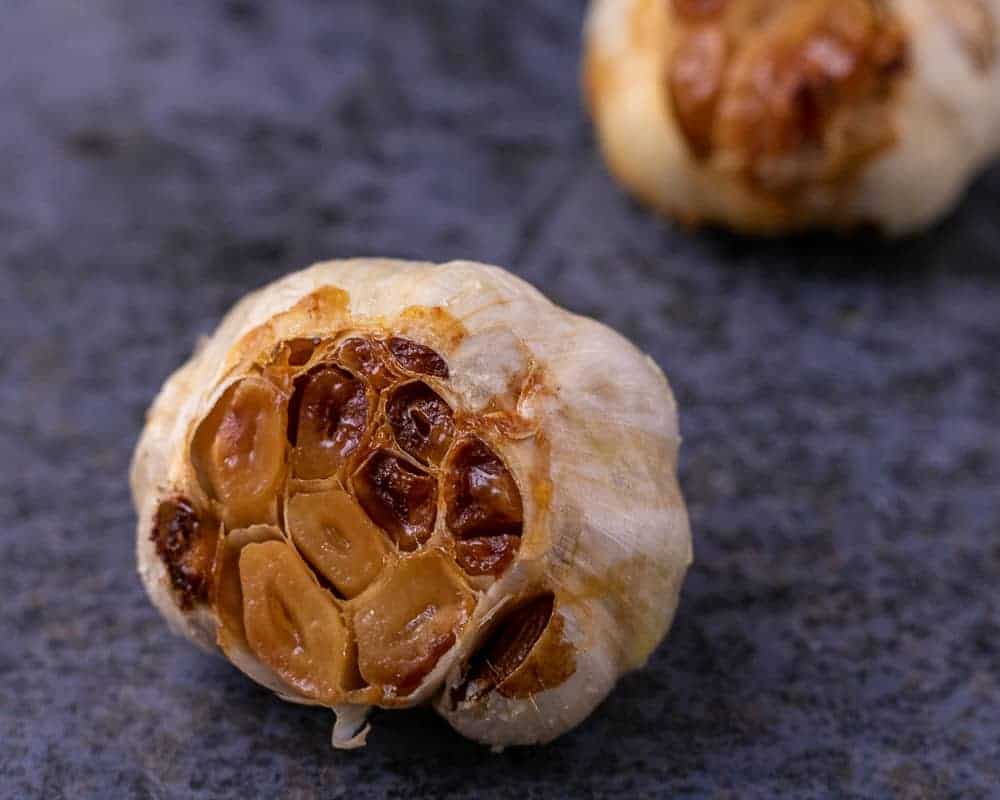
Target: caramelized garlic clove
x: 487, y: 555
x: 186, y: 544
x: 227, y: 605
x: 298, y: 352
x: 485, y: 511
x: 367, y: 357
x: 409, y: 621
x: 482, y: 495
x: 532, y: 652
x: 506, y: 648
x: 292, y: 624
x: 523, y: 655
x: 238, y: 451
x: 330, y: 416
x: 418, y: 358
x: 227, y: 592
x: 337, y: 539
x: 538, y: 671
x: 399, y: 497
x: 422, y: 422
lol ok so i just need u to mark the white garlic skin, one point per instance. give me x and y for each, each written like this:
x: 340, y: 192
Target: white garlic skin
x: 609, y: 537
x: 946, y: 117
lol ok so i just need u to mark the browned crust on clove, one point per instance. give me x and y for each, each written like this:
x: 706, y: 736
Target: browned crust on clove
x: 186, y: 544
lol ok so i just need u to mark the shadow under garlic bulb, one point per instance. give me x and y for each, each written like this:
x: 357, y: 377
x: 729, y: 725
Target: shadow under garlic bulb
x: 385, y: 483
x: 769, y: 116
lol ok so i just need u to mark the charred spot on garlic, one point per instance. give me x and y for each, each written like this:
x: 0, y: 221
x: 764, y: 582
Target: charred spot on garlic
x: 401, y: 519
x: 186, y: 546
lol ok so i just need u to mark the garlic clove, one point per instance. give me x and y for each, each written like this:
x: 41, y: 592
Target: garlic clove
x: 330, y: 412
x: 422, y: 422
x: 227, y: 604
x: 399, y: 496
x: 292, y: 624
x: 408, y: 622
x: 481, y: 494
x: 367, y: 357
x: 486, y: 555
x: 417, y: 358
x: 503, y: 654
x: 238, y: 451
x: 187, y: 544
x: 337, y: 539
x: 544, y: 687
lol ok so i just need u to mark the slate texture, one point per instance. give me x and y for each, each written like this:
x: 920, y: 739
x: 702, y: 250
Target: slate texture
x: 839, y: 635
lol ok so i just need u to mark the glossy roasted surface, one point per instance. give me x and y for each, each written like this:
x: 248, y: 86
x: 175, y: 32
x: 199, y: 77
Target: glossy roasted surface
x: 838, y: 634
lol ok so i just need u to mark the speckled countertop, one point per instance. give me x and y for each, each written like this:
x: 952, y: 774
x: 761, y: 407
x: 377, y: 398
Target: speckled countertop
x: 839, y: 635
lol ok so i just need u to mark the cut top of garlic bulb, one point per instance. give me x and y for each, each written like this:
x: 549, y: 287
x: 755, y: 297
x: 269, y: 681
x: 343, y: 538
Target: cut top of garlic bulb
x: 770, y: 115
x: 384, y: 483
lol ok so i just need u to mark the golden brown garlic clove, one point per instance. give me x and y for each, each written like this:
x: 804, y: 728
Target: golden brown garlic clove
x: 412, y: 619
x: 506, y: 649
x: 368, y: 357
x: 337, y: 539
x: 227, y: 591
x: 238, y: 451
x: 292, y: 624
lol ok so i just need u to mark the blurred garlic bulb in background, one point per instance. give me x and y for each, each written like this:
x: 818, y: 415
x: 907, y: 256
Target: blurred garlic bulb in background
x: 775, y: 115
x: 383, y: 483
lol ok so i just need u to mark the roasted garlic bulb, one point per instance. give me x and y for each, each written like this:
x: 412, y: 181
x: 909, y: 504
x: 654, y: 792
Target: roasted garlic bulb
x: 777, y: 115
x: 383, y: 483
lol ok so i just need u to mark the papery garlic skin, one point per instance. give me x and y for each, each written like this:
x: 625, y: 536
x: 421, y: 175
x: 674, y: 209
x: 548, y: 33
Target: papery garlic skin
x: 571, y: 572
x: 940, y: 105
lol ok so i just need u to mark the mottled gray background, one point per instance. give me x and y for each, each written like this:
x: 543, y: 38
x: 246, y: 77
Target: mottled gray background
x: 839, y: 634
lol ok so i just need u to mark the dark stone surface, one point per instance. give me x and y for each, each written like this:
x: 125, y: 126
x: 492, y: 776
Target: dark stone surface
x: 839, y: 635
